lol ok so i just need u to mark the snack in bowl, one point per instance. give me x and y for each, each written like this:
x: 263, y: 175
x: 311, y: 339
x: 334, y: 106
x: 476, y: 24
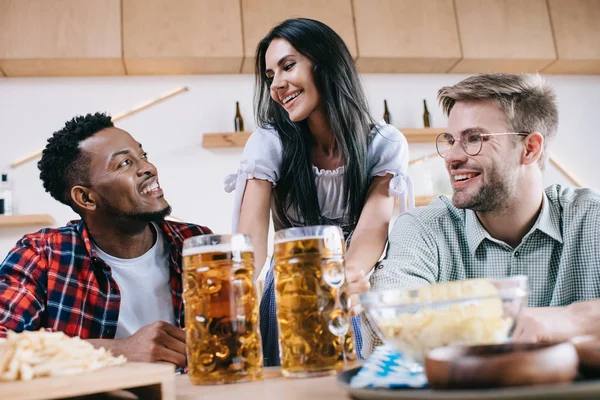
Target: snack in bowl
x: 32, y: 354
x: 469, y: 312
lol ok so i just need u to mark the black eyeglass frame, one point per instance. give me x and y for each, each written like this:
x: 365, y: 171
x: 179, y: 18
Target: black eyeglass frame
x: 464, y: 146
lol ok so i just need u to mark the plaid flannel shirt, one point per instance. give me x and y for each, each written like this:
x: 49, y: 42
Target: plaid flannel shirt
x: 53, y: 279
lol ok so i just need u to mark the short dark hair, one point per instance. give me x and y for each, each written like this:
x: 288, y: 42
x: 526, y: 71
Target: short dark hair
x: 63, y: 164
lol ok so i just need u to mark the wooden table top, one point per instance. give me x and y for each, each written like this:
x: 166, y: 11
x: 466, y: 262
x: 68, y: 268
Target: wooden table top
x: 272, y: 386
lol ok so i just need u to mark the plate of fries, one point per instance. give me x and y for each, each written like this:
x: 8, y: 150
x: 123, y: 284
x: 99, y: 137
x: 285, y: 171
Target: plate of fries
x: 33, y: 354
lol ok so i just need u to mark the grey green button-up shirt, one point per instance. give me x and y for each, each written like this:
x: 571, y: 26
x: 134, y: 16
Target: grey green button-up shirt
x: 438, y: 243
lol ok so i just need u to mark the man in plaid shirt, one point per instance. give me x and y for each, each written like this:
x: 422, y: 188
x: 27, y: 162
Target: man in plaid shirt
x: 501, y: 221
x: 113, y: 277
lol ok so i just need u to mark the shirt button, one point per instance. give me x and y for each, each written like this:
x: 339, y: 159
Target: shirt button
x: 517, y: 253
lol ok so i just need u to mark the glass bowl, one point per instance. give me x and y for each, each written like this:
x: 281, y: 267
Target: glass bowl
x: 469, y: 312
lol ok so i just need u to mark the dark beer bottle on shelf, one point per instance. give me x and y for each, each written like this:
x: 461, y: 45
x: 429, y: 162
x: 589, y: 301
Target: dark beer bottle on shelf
x: 238, y: 120
x: 386, y: 113
x: 426, y: 117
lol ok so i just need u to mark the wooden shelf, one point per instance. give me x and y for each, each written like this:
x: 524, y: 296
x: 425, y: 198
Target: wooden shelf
x: 225, y: 139
x: 421, y: 201
x: 9, y: 221
x: 421, y: 135
x: 238, y: 139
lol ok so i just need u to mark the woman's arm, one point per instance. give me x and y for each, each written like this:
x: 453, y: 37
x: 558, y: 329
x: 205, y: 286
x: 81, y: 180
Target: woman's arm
x: 370, y: 236
x: 371, y: 233
x: 254, y: 218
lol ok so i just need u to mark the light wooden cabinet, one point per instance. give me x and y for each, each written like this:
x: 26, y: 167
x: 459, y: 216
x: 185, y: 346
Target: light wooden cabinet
x: 168, y: 37
x: 576, y: 26
x: 403, y: 36
x: 260, y: 16
x: 60, y: 37
x: 504, y: 36
x: 182, y: 36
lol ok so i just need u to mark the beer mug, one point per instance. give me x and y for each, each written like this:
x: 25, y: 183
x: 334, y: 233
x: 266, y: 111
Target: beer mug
x: 221, y: 310
x: 315, y: 334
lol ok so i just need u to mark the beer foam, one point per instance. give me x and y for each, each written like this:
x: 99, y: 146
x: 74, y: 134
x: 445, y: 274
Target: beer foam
x: 297, y: 239
x: 216, y: 248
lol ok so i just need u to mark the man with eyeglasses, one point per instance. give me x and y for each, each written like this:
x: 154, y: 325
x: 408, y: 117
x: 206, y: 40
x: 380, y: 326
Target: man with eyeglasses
x: 501, y: 221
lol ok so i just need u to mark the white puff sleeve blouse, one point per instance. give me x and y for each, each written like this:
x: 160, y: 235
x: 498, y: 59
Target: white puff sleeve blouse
x: 387, y: 154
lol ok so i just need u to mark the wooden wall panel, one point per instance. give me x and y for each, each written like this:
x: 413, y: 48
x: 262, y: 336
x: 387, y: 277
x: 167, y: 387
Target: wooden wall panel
x: 260, y: 16
x: 504, y: 36
x: 60, y: 37
x: 576, y: 25
x: 182, y: 37
x: 404, y: 36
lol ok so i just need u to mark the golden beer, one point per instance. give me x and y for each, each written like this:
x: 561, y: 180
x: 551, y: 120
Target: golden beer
x: 221, y: 310
x: 315, y: 335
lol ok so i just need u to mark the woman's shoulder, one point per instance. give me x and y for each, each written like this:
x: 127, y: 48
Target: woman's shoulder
x: 264, y: 142
x: 385, y: 136
x: 265, y: 134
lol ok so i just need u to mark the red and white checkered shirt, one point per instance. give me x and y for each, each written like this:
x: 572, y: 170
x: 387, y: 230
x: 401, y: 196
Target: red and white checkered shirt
x: 53, y: 279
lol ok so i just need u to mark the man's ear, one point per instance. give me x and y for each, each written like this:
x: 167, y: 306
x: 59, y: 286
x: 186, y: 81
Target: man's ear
x: 84, y: 198
x: 534, y: 148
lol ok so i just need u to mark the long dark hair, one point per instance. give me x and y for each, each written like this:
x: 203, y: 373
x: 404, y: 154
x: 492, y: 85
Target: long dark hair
x: 345, y: 106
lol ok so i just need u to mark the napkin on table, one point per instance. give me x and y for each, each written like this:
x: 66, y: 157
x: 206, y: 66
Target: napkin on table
x: 387, y: 368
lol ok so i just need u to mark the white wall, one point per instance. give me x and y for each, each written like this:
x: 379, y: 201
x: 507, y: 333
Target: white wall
x: 31, y: 109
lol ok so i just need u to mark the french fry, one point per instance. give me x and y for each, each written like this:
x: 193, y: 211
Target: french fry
x: 28, y: 355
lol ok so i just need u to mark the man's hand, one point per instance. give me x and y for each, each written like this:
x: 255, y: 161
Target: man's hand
x: 357, y: 284
x: 156, y: 342
x: 546, y: 324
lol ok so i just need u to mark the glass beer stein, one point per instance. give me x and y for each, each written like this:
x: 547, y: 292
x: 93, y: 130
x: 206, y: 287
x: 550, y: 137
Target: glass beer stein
x: 221, y: 310
x: 315, y: 335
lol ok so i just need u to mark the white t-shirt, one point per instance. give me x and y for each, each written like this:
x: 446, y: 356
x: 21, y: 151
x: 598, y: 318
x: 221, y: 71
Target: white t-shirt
x: 145, y: 286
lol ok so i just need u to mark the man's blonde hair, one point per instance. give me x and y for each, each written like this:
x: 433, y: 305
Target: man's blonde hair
x: 528, y: 101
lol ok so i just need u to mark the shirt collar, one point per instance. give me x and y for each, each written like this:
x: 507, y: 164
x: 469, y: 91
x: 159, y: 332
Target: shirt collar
x: 173, y: 238
x: 548, y: 222
x: 476, y: 233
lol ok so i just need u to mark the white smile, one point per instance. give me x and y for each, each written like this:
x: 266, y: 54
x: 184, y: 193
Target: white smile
x: 151, y: 187
x: 292, y: 96
x: 463, y: 177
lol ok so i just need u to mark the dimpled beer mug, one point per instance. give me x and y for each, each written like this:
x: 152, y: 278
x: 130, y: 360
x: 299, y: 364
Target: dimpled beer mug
x: 221, y: 310
x: 315, y: 336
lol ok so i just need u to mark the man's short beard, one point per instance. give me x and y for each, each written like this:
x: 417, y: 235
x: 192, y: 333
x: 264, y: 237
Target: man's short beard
x: 155, y: 216
x: 488, y: 199
x: 492, y: 196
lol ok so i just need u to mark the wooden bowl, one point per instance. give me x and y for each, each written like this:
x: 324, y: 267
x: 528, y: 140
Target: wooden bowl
x: 511, y: 364
x: 588, y: 350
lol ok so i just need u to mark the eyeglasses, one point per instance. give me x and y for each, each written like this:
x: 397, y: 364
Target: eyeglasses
x: 471, y: 141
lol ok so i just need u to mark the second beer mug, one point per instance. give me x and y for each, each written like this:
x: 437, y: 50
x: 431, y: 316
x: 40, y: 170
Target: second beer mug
x: 221, y: 310
x: 315, y: 336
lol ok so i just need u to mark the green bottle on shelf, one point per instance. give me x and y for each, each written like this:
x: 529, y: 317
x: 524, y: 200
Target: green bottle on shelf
x: 426, y: 117
x: 386, y: 113
x: 238, y: 121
